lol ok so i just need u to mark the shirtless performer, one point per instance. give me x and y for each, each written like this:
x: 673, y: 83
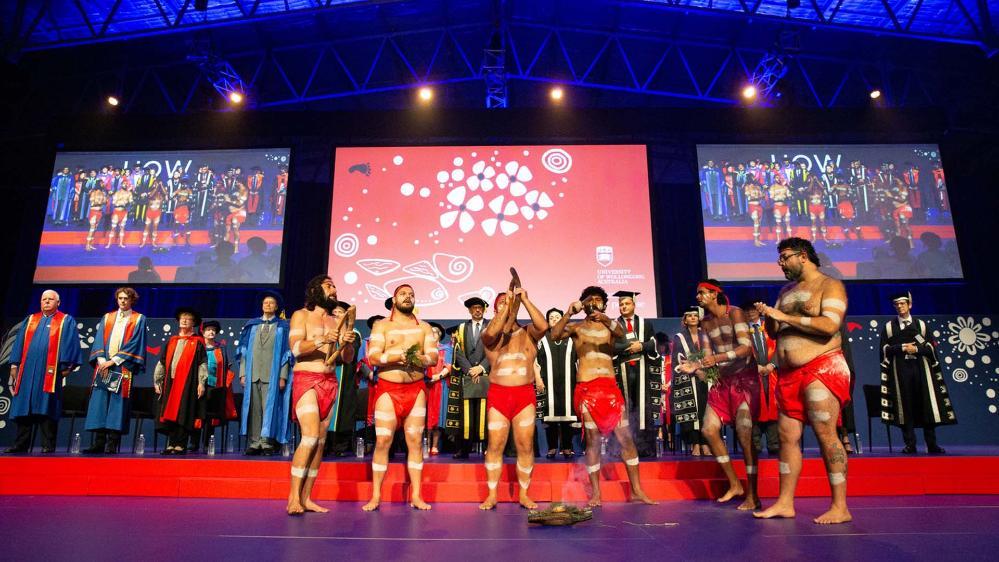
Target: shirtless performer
x: 754, y: 198
x: 817, y: 207
x: 98, y: 199
x: 597, y: 398
x: 313, y: 332
x: 511, y: 350
x: 155, y: 198
x: 735, y: 398
x: 237, y: 214
x: 780, y: 193
x: 813, y: 377
x: 183, y: 200
x: 121, y: 200
x: 401, y: 347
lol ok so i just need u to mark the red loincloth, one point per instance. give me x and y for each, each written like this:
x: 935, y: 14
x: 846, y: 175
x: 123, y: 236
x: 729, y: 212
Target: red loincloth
x: 731, y: 391
x: 510, y: 400
x: 403, y: 395
x: 830, y: 369
x: 602, y: 400
x: 323, y: 383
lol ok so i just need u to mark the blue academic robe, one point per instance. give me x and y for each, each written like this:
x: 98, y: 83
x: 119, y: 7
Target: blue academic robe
x: 39, y: 393
x: 62, y: 197
x: 110, y: 410
x: 276, y: 422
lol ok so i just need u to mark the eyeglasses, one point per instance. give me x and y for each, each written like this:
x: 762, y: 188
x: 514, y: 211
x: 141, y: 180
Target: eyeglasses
x: 784, y: 257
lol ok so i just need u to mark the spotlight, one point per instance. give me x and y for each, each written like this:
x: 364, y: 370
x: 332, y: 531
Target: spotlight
x: 426, y: 94
x: 236, y: 97
x: 875, y: 94
x: 749, y: 92
x: 113, y: 101
x: 556, y: 93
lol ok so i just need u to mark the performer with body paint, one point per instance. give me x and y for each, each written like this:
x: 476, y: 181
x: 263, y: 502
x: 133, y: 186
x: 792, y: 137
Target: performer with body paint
x: 511, y: 349
x: 734, y: 399
x: 813, y: 381
x: 597, y: 398
x: 401, y: 347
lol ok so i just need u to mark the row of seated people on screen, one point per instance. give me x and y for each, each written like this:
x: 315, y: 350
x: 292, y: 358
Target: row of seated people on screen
x: 261, y: 265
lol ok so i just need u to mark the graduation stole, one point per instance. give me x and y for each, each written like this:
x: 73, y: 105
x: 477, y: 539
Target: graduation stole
x: 183, y: 366
x: 452, y: 417
x: 221, y: 377
x: 52, y: 355
x: 109, y: 319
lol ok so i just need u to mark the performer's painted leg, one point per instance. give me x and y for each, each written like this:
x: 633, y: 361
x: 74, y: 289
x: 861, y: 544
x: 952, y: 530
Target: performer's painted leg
x: 789, y: 468
x: 499, y: 430
x: 712, y: 434
x: 629, y: 455
x: 592, y: 456
x: 413, y: 426
x: 314, y: 462
x: 111, y: 231
x: 744, y: 432
x: 823, y: 412
x: 145, y: 233
x: 155, y: 232
x: 523, y: 438
x: 307, y: 411
x: 385, y: 424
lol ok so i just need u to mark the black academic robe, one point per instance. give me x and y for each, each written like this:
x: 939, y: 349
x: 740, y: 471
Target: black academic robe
x: 689, y: 394
x: 558, y: 371
x: 647, y: 403
x: 913, y: 388
x: 178, y: 401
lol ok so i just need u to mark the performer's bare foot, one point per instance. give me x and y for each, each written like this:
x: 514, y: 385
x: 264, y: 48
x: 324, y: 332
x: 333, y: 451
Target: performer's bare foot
x: 776, y: 511
x: 418, y: 503
x: 490, y: 503
x: 372, y: 505
x: 314, y: 507
x: 527, y: 502
x: 594, y: 501
x: 834, y: 515
x: 641, y: 497
x: 732, y: 492
x: 750, y: 503
x: 295, y: 508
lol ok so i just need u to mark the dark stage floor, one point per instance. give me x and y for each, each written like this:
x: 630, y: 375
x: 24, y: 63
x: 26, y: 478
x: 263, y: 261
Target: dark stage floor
x: 99, y: 528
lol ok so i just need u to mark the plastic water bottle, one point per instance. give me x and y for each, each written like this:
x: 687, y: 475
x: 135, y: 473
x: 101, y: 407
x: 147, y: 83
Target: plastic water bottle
x: 74, y: 446
x: 230, y: 443
x: 211, y: 446
x: 860, y: 445
x: 140, y: 444
x: 659, y: 446
x: 603, y: 446
x: 285, y: 450
x: 426, y: 448
x: 359, y: 448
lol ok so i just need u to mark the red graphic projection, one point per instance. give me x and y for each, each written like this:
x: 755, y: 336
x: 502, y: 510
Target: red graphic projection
x: 452, y: 220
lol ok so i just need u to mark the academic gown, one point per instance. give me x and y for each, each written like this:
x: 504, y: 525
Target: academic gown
x: 689, y: 394
x: 558, y: 371
x: 110, y: 410
x: 276, y: 422
x: 912, y: 386
x: 44, y: 347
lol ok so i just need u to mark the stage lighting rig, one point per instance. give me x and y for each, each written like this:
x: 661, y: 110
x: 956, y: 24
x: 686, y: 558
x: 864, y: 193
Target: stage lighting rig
x: 221, y: 75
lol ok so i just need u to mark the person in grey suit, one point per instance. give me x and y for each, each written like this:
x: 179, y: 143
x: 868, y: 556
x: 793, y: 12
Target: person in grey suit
x: 470, y: 359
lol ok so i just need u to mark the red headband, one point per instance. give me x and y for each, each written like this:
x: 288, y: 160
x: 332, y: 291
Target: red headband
x: 709, y: 287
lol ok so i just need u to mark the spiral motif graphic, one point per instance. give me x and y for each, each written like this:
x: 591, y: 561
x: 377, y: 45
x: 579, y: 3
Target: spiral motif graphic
x: 960, y: 375
x: 346, y: 245
x: 4, y: 405
x: 453, y: 269
x: 556, y: 161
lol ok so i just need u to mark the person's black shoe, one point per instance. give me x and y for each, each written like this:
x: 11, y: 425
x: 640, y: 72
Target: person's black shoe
x: 253, y: 452
x: 95, y: 449
x: 909, y: 450
x: 773, y: 452
x: 551, y: 454
x: 167, y: 452
x: 112, y: 447
x: 15, y: 450
x: 936, y: 450
x: 268, y: 451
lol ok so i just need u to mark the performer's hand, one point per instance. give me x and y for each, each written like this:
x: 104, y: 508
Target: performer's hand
x: 687, y: 367
x: 574, y: 308
x: 540, y: 386
x: 763, y: 369
x: 520, y: 292
x: 444, y: 372
x: 157, y: 388
x: 282, y: 383
x: 761, y: 307
x: 598, y: 316
x: 242, y: 381
x: 201, y: 390
x: 708, y: 361
x: 348, y: 337
x: 634, y: 347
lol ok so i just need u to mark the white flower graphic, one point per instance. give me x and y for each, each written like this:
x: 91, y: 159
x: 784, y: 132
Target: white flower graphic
x: 481, y: 177
x: 518, y: 176
x: 465, y: 221
x: 537, y: 202
x: 503, y: 212
x: 967, y: 335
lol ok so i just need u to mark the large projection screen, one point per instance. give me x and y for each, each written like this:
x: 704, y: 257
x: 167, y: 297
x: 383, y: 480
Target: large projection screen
x: 873, y: 211
x: 179, y: 216
x: 452, y: 220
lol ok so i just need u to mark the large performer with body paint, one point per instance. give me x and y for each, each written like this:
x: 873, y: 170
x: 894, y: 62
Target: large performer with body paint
x: 813, y: 381
x: 735, y: 398
x: 597, y: 398
x: 401, y: 347
x: 511, y: 349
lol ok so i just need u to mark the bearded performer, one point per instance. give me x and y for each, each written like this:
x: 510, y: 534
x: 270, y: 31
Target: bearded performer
x: 556, y: 369
x: 121, y: 200
x: 689, y: 393
x: 98, y: 200
x: 182, y: 215
x: 155, y: 199
x: 817, y: 207
x: 754, y: 201
x: 640, y: 374
x: 780, y: 194
x: 179, y: 380
x: 236, y: 202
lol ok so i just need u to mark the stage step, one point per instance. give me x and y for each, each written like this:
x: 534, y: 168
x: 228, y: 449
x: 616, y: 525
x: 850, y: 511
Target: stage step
x: 350, y: 480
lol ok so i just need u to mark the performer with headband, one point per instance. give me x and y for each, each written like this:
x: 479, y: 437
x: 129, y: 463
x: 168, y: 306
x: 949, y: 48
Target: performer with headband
x: 512, y: 349
x: 813, y: 378
x: 313, y: 332
x: 401, y: 347
x: 735, y: 397
x: 597, y: 398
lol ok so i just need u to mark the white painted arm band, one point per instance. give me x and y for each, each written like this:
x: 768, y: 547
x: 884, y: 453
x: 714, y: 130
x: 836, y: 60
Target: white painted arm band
x: 836, y: 318
x: 730, y: 355
x: 806, y: 320
x: 834, y: 303
x: 296, y: 332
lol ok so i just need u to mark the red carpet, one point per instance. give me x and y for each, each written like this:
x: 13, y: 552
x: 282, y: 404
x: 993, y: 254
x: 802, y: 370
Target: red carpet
x: 233, y: 477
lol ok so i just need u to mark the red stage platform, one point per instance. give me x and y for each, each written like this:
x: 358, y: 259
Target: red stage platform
x: 349, y: 480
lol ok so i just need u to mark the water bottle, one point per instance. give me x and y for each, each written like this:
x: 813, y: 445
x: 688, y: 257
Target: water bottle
x: 74, y: 447
x: 230, y: 443
x: 659, y: 446
x: 140, y: 444
x: 359, y: 448
x: 603, y: 446
x: 426, y: 448
x: 860, y: 446
x: 285, y: 450
x: 211, y: 446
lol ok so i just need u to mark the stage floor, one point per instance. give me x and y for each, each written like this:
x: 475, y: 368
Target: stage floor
x: 101, y: 528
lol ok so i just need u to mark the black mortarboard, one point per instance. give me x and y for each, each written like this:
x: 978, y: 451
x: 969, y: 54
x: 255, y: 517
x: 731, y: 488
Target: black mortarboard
x: 274, y: 295
x: 187, y: 310
x: 906, y: 295
x: 388, y: 303
x: 371, y: 321
x: 469, y: 303
x: 211, y: 324
x: 629, y: 294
